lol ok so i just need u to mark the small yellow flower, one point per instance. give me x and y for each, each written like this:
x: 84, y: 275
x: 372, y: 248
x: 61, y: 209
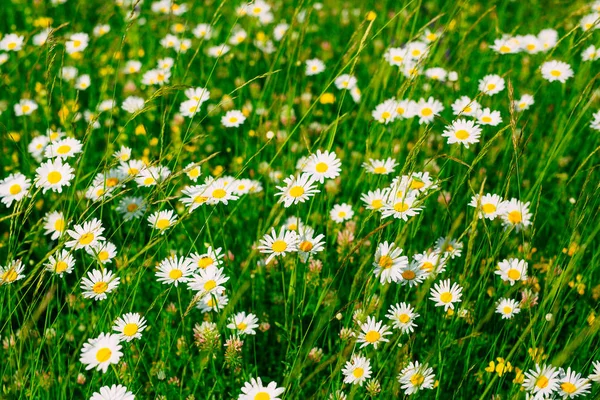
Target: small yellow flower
x: 140, y: 130
x: 371, y: 15
x: 327, y: 98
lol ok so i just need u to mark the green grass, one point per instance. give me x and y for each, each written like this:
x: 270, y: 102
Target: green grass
x: 547, y: 155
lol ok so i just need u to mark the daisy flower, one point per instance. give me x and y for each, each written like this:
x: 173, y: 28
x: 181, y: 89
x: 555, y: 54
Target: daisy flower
x: 25, y: 107
x: 323, y: 165
x: 244, y: 324
x: 233, y: 119
x: 254, y: 390
x: 98, y: 283
x: 162, y: 220
x: 12, y: 272
x: 380, y: 167
x: 212, y: 302
x: 450, y: 248
x: 491, y: 84
x: 463, y: 132
x: 202, y: 31
x: 406, y: 108
x: 542, y: 381
x: 101, y: 352
x: 12, y: 42
x: 445, y: 295
x: 373, y: 332
x: 488, y: 206
x: 297, y: 189
x: 309, y: 243
x: 515, y: 214
x: 86, y: 235
x: 131, y: 207
x: 400, y: 207
x: 60, y: 263
x: 595, y: 375
x: 421, y: 182
x: 53, y: 175
x: 488, y: 117
x: 374, y: 199
x: 207, y: 281
x: 571, y: 384
x: 219, y: 191
x: 591, y: 53
x: 415, y: 377
x: 279, y: 244
x: 293, y: 224
x: 130, y: 326
x: 77, y: 42
x: 54, y: 224
x: 389, y: 262
x: 508, y: 308
x: 14, y: 188
x: 212, y: 257
x: 174, y: 270
x: 428, y: 110
x: 345, y: 82
x: 385, y: 112
x: 556, y: 71
x: 412, y: 275
x: 430, y: 262
x: 341, y: 212
x: 524, y: 102
x: 314, y: 67
x: 357, y: 370
x: 133, y: 104
x: 114, y: 392
x: 103, y: 251
x: 512, y: 270
x: 402, y: 316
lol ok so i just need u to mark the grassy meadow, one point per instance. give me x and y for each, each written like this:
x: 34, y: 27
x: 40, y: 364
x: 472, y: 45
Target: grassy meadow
x: 294, y: 199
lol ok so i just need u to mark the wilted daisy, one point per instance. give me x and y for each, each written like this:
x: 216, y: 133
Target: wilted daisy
x: 445, y: 295
x: 254, y: 390
x: 572, y: 385
x: 463, y: 132
x: 279, y: 244
x: 512, y: 270
x: 14, y: 188
x: 162, y: 220
x: 323, y: 165
x: 488, y: 205
x: 515, y: 214
x: 207, y: 281
x: 389, y: 262
x: 541, y: 381
x: 60, y: 263
x: 53, y: 175
x: 380, y: 167
x: 556, y: 71
x: 415, y: 377
x: 402, y: 316
x: 357, y: 370
x: 314, y: 66
x: 508, y: 308
x: 233, y: 119
x: 174, y: 270
x: 297, y: 189
x: 98, y: 283
x: 373, y: 332
x: 130, y: 326
x: 244, y: 324
x: 341, y: 212
x: 114, y: 392
x: 101, y: 352
x: 491, y: 84
x: 86, y: 235
x: 12, y: 272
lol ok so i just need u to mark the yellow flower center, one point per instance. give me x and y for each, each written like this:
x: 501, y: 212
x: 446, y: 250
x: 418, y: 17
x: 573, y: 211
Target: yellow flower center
x: 194, y: 173
x: 404, y: 318
x: 64, y: 149
x: 446, y: 297
x: 306, y: 246
x: 205, y: 262
x: 112, y: 182
x: 76, y: 43
x: 321, y: 167
x: 401, y: 206
x: 507, y: 310
x: 488, y: 208
x: 103, y: 255
x: 219, y: 193
x: 358, y: 372
x: 59, y: 225
x: 386, y: 262
x: 514, y: 274
x: 103, y: 354
x: 515, y: 217
x: 100, y: 287
x: 241, y: 326
x: 380, y: 170
x: 530, y: 47
x: 462, y: 134
x: 416, y: 52
x: 12, y: 45
x: 409, y: 275
x: 491, y: 86
x: 200, y: 199
x: 86, y: 238
x: 132, y: 207
x: 296, y: 191
x: 130, y: 329
x: 54, y: 177
x: 568, y: 387
x: 542, y: 382
x: 427, y: 266
x: 233, y: 120
x: 163, y: 223
x: 377, y: 204
x: 210, y: 285
x: 10, y: 275
x: 175, y: 274
x: 262, y: 396
x: 555, y: 72
x: 15, y: 189
x: 385, y: 115
x: 25, y: 108
x: 486, y: 119
x: 504, y: 49
x: 426, y: 112
x: 467, y: 109
x: 60, y: 266
x: 372, y: 336
x: 415, y: 184
x: 279, y: 246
